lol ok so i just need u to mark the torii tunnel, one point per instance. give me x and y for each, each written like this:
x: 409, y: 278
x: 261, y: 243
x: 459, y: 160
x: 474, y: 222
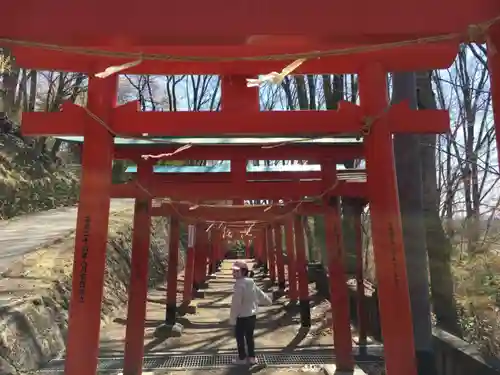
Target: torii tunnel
x: 239, y: 40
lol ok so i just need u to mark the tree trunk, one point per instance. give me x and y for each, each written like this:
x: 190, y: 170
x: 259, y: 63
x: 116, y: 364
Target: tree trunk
x: 438, y: 245
x: 409, y: 177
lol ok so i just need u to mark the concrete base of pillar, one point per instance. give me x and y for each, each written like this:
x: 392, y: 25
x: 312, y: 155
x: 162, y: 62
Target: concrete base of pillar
x: 168, y: 330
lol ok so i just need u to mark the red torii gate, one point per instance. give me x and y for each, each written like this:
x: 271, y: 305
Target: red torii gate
x: 245, y: 39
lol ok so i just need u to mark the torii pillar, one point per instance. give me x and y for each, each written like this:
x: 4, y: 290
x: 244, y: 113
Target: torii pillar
x: 339, y: 292
x: 387, y: 233
x: 138, y: 289
x: 265, y: 251
x: 91, y: 236
x: 301, y: 266
x: 173, y: 265
x: 292, y: 269
x: 271, y: 255
x: 280, y: 259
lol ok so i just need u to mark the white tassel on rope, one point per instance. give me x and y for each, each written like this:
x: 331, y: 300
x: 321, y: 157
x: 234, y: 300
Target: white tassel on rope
x: 118, y: 68
x: 159, y: 156
x: 275, y: 77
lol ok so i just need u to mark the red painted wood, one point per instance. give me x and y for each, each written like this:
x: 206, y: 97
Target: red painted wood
x: 127, y: 120
x: 225, y: 191
x: 189, y: 274
x: 408, y: 58
x: 205, y: 258
x: 387, y: 235
x: 91, y: 236
x: 200, y: 254
x: 220, y: 245
x: 271, y: 253
x: 248, y: 177
x: 360, y: 284
x: 301, y: 260
x: 265, y: 251
x: 237, y: 97
x: 257, y: 247
x: 138, y: 290
x: 292, y: 268
x: 339, y: 294
x: 339, y: 152
x: 280, y: 263
x: 240, y: 22
x: 173, y: 261
x: 212, y: 253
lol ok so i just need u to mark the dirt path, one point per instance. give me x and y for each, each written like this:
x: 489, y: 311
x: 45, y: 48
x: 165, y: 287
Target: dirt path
x: 27, y: 233
x: 209, y: 331
x: 207, y: 343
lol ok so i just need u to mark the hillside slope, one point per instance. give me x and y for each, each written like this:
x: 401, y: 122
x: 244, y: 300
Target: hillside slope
x: 29, y: 183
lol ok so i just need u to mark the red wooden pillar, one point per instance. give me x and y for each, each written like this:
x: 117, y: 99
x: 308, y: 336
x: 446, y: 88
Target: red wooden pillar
x: 138, y: 290
x: 339, y: 293
x: 189, y: 266
x: 292, y: 269
x: 206, y: 256
x: 494, y: 68
x: 360, y: 284
x: 265, y: 252
x: 394, y: 300
x: 256, y: 249
x: 301, y: 264
x: 247, y: 248
x: 200, y: 257
x: 280, y: 262
x: 219, y: 242
x: 212, y: 267
x: 173, y: 266
x: 271, y: 255
x: 209, y: 253
x: 258, y: 245
x: 91, y: 232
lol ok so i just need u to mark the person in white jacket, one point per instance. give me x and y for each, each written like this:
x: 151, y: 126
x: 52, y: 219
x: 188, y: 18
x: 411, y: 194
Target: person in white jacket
x: 244, y: 305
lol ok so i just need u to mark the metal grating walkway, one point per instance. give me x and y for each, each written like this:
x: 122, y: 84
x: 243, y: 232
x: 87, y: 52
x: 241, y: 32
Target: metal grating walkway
x: 206, y: 361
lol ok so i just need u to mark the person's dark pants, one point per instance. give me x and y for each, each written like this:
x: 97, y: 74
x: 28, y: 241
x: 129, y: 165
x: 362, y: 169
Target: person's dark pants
x: 244, y: 332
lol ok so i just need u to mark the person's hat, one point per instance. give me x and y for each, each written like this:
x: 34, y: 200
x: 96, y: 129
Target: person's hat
x: 239, y: 265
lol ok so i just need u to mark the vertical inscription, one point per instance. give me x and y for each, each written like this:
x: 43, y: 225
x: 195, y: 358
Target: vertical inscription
x: 83, y: 260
